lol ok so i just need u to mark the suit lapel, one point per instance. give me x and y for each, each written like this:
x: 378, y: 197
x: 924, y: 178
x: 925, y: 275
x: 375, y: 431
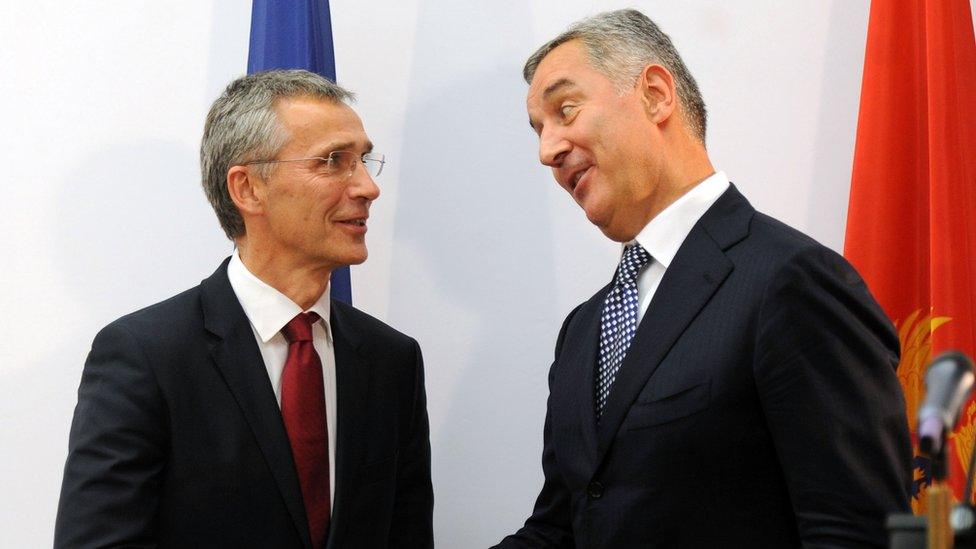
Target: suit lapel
x: 352, y: 406
x: 697, y: 271
x: 238, y: 359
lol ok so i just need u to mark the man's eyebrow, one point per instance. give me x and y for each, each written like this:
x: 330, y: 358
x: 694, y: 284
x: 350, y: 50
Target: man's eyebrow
x: 346, y: 145
x: 556, y: 86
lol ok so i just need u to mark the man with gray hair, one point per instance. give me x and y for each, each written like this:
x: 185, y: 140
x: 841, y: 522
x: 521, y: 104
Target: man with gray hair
x: 734, y: 384
x: 252, y: 410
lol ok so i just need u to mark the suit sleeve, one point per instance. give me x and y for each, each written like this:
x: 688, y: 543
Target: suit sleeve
x: 550, y: 525
x: 412, y: 523
x: 825, y: 372
x: 116, y: 450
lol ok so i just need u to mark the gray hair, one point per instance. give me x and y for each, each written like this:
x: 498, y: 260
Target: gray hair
x: 242, y: 126
x: 619, y: 44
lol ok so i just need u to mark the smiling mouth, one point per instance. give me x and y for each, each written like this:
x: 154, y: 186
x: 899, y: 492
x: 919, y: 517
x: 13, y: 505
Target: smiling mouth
x: 576, y: 179
x: 361, y: 222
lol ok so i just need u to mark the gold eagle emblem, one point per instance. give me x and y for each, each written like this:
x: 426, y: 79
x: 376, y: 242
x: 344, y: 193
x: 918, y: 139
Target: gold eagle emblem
x: 915, y: 336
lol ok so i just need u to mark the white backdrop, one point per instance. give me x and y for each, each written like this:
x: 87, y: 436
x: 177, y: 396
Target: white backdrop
x: 473, y: 248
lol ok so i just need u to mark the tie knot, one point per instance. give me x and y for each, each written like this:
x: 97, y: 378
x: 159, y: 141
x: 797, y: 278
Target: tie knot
x: 300, y: 327
x: 633, y: 260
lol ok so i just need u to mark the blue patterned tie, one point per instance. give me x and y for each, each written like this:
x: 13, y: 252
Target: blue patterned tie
x: 618, y: 323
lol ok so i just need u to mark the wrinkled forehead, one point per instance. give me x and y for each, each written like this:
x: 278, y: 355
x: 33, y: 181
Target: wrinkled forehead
x: 314, y: 120
x: 312, y: 104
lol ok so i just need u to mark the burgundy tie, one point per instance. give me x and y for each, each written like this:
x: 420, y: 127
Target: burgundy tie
x: 303, y: 409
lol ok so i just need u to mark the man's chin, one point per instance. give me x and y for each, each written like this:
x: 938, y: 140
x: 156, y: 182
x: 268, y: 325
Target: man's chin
x: 615, y: 232
x: 351, y: 257
x: 601, y: 221
x: 595, y: 216
x: 616, y: 235
x: 357, y: 258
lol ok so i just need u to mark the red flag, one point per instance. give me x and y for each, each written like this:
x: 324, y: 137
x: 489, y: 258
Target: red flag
x: 911, y: 225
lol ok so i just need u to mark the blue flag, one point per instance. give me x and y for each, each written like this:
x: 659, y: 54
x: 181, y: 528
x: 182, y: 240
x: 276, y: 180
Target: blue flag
x: 296, y: 34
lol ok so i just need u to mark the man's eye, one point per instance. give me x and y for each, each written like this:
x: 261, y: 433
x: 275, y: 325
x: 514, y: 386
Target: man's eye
x: 566, y: 110
x: 327, y: 164
x: 341, y: 158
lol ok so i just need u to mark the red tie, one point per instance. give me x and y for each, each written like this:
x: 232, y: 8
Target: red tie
x: 303, y: 409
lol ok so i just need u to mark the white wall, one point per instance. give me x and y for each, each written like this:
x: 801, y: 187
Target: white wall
x: 474, y: 249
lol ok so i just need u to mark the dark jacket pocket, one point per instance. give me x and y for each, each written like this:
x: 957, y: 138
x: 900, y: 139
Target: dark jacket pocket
x: 681, y: 403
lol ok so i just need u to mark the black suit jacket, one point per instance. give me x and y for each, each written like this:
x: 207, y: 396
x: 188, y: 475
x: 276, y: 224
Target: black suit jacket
x: 757, y: 406
x: 178, y: 441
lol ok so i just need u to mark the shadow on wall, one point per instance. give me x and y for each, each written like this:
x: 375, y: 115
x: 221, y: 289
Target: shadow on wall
x: 134, y: 227
x: 473, y: 264
x: 130, y: 227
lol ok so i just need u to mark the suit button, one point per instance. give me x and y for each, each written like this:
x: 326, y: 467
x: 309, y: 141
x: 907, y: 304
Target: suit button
x: 594, y: 490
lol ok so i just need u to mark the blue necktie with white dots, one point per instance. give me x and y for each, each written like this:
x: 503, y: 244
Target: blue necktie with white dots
x: 618, y: 323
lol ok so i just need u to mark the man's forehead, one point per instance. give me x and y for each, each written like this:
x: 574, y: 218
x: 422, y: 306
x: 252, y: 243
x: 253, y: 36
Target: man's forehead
x: 567, y: 57
x: 322, y: 124
x: 560, y: 70
x: 312, y: 114
x: 558, y: 85
x: 309, y: 103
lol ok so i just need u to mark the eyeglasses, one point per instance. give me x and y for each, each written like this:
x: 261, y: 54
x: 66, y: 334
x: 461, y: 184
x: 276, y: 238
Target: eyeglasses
x: 338, y: 163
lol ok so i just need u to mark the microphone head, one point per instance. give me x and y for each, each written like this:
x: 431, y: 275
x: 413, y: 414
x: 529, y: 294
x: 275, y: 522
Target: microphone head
x: 948, y: 382
x: 930, y: 434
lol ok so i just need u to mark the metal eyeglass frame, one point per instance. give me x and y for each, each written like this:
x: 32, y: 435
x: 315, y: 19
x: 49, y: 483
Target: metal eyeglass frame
x: 378, y: 159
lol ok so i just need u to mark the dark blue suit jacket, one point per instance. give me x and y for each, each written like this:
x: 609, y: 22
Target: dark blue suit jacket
x: 757, y: 406
x: 178, y: 441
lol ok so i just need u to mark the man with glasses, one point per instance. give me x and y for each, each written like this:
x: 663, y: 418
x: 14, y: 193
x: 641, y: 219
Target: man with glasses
x: 252, y: 410
x: 734, y: 384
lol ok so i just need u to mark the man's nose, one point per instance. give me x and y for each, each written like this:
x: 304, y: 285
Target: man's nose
x: 553, y: 147
x: 362, y: 184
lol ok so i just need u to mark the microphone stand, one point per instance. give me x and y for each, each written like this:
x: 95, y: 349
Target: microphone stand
x: 939, y: 532
x: 944, y: 527
x: 968, y: 492
x: 949, y: 381
x: 963, y: 518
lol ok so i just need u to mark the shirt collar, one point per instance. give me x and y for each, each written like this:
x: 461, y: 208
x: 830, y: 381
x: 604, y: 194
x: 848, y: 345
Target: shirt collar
x: 266, y: 308
x: 664, y: 234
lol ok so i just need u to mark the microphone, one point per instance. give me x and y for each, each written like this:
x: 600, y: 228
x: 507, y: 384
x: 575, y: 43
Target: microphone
x: 948, y: 382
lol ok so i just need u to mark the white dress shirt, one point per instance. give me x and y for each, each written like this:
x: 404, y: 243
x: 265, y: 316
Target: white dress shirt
x: 268, y: 310
x: 664, y: 234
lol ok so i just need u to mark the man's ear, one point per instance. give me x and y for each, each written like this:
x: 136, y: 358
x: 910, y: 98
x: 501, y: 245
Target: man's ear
x: 246, y: 189
x: 657, y: 92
